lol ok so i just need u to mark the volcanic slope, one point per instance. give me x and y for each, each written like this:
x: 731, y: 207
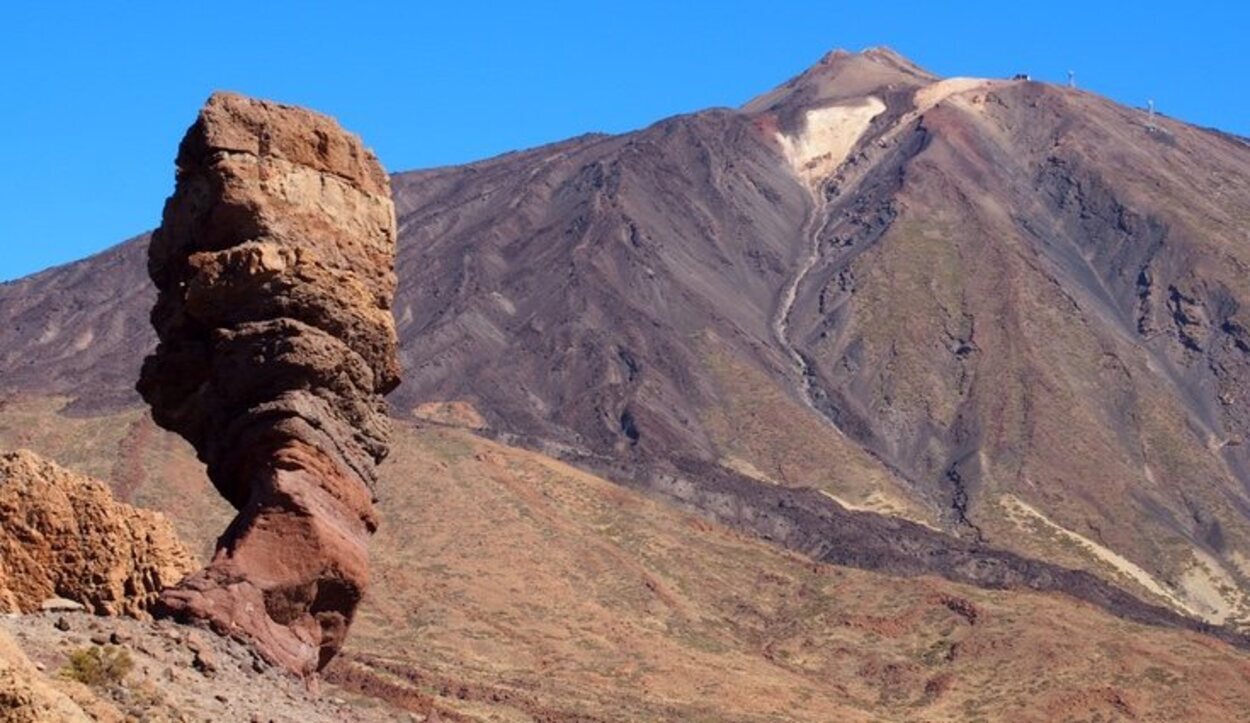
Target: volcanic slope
x: 1006, y: 312
x: 1030, y: 302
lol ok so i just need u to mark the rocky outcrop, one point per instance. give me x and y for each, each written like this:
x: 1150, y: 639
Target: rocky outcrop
x: 275, y: 269
x: 65, y: 536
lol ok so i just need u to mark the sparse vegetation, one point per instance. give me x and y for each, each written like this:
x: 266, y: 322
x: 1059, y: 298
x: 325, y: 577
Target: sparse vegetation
x: 98, y: 667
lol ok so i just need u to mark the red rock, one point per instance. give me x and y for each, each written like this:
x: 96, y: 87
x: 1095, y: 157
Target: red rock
x: 275, y: 266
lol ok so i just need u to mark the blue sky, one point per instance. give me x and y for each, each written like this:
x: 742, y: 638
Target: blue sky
x: 97, y: 95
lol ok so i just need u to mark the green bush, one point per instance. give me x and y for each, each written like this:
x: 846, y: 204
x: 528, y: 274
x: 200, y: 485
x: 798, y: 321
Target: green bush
x: 97, y: 666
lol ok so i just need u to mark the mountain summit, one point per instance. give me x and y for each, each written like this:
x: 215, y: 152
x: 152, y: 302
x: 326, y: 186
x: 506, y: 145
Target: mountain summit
x: 841, y: 75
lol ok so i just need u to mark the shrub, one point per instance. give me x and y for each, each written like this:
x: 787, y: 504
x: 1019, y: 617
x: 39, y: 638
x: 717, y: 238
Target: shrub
x: 97, y: 666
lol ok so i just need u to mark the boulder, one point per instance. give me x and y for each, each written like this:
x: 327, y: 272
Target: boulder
x: 61, y: 605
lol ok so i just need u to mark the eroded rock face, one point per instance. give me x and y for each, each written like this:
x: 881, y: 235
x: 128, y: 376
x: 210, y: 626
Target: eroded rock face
x: 65, y: 536
x: 275, y: 267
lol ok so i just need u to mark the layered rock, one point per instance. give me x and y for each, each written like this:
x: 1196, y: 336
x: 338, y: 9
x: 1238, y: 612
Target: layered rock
x: 65, y: 536
x: 275, y: 269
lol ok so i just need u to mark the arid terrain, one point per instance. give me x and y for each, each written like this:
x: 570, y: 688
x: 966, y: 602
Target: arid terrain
x: 884, y: 396
x: 511, y: 586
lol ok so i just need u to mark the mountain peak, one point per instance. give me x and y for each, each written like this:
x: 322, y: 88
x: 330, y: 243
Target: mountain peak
x: 877, y: 54
x: 841, y: 74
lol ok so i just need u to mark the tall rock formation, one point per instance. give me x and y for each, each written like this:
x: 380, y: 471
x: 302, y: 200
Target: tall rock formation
x: 275, y: 269
x: 65, y: 536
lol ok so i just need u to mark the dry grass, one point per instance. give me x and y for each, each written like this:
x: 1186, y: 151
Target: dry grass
x: 98, y: 667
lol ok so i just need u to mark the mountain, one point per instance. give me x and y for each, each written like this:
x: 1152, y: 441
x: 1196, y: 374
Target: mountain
x: 984, y: 330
